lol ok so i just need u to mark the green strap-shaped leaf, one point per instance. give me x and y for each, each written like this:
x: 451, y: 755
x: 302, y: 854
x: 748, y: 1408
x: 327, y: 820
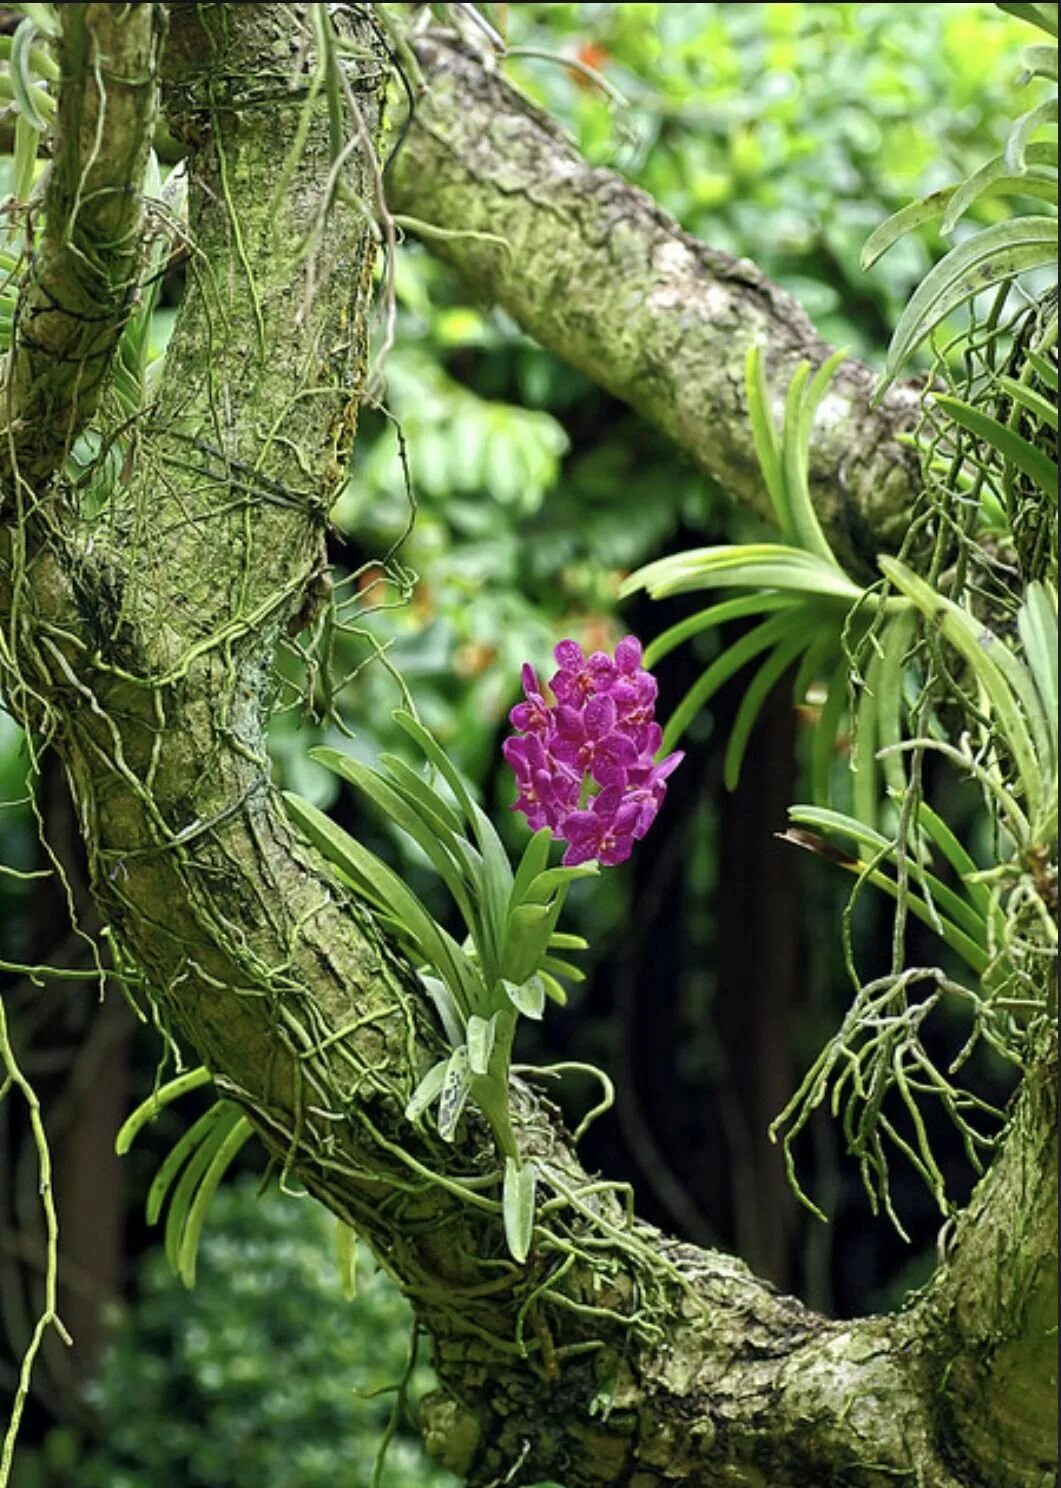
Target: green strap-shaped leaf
x: 716, y: 614
x: 433, y: 944
x: 770, y: 633
x: 962, y: 915
x: 188, y: 1184
x: 764, y: 437
x: 432, y: 806
x: 545, y: 885
x: 1043, y: 16
x: 382, y: 794
x: 1034, y: 403
x: 149, y: 1109
x: 755, y: 695
x: 517, y: 1204
x: 1037, y: 625
x: 496, y: 889
x: 434, y: 752
x: 744, y: 565
x: 178, y: 1154
x: 527, y: 935
x: 235, y: 1139
x: 1046, y: 369
x: 429, y: 1088
x: 906, y: 220
x: 454, y: 1093
x: 449, y: 1014
x: 996, y: 179
x: 496, y: 883
x: 534, y: 861
x: 1024, y: 128
x: 481, y: 1035
x: 795, y: 458
x: 999, y: 252
x: 943, y: 839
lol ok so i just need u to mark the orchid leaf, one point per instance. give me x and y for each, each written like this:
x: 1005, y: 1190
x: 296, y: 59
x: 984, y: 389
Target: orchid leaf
x: 481, y: 1035
x: 526, y: 997
x: 427, y: 1091
x: 998, y: 253
x: 453, y: 1096
x: 1012, y: 446
x: 517, y: 1205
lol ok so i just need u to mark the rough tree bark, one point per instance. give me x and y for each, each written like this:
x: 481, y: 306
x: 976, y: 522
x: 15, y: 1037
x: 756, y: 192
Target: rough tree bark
x: 600, y: 275
x: 139, y: 645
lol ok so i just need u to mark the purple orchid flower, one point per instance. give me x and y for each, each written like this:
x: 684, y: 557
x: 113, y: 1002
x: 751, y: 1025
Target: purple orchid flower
x: 588, y: 739
x: 605, y: 831
x: 647, y: 786
x: 585, y: 764
x: 546, y: 794
x: 533, y: 716
x: 580, y: 677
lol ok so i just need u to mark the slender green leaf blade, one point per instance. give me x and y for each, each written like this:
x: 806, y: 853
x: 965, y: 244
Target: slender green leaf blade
x: 716, y: 614
x: 1032, y: 462
x: 481, y: 1035
x: 454, y: 1093
x: 906, y: 220
x: 234, y: 1140
x: 755, y: 696
x: 1033, y: 402
x: 1024, y: 128
x: 995, y: 178
x: 999, y: 252
x: 147, y: 1110
x: 764, y: 438
x: 1042, y: 16
x: 178, y: 1154
x: 518, y: 1198
x: 428, y: 1090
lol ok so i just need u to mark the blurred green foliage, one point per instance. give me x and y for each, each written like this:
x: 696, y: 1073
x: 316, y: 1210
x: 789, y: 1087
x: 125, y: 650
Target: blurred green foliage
x: 785, y: 133
x: 258, y: 1378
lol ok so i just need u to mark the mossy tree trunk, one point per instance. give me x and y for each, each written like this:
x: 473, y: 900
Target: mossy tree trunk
x: 139, y: 645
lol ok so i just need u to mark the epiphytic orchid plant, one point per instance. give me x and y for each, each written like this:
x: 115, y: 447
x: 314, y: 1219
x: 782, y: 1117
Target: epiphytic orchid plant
x: 587, y: 775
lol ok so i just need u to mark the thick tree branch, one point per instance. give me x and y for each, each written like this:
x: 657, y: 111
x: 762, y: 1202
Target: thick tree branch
x: 604, y: 278
x: 991, y: 1313
x: 144, y: 649
x: 83, y: 278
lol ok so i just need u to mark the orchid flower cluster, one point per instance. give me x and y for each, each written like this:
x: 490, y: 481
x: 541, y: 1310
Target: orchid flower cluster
x: 585, y: 764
